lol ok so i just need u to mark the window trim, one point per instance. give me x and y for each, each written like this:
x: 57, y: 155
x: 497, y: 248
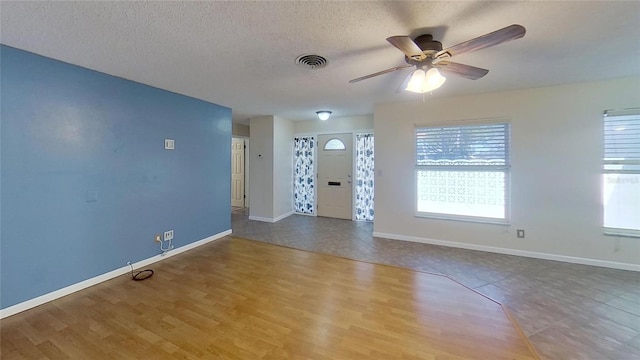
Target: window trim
x: 609, y: 231
x: 506, y: 169
x: 606, y: 230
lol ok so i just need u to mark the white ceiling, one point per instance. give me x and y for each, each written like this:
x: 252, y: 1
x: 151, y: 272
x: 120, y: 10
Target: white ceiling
x: 241, y: 54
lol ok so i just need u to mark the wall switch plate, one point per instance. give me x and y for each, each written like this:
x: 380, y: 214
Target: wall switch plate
x: 169, y: 144
x: 168, y: 235
x: 520, y: 233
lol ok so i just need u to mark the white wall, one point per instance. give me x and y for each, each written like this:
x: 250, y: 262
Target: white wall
x: 261, y: 168
x: 555, y: 177
x: 282, y: 167
x: 334, y: 125
x: 271, y: 168
x: 240, y: 130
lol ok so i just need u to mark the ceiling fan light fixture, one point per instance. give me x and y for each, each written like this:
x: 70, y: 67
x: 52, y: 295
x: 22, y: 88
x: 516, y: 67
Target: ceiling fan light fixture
x: 422, y: 82
x: 323, y: 114
x: 416, y: 81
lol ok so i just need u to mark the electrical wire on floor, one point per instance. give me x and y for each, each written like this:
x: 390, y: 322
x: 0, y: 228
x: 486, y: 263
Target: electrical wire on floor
x: 140, y: 275
x: 170, y: 247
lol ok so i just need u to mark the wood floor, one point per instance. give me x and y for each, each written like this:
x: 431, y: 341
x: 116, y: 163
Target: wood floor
x: 241, y: 299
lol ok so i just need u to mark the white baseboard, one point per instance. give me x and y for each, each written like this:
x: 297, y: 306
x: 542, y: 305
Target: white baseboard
x: 26, y: 305
x: 259, y: 218
x: 285, y: 215
x: 524, y: 253
x: 303, y: 214
x: 271, y: 220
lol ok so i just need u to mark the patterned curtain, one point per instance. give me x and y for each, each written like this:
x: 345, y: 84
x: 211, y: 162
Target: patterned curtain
x: 303, y: 175
x: 364, y: 177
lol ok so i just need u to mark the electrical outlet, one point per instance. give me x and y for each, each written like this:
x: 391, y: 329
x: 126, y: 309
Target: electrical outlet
x: 158, y: 238
x: 520, y: 233
x: 168, y: 235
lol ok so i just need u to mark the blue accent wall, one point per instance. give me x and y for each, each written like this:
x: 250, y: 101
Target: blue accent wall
x: 85, y: 180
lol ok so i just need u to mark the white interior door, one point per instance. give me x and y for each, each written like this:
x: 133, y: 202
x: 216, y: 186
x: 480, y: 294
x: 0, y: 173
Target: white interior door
x: 237, y: 172
x: 334, y: 176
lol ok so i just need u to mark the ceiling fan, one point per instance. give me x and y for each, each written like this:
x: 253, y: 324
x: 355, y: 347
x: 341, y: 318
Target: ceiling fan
x: 428, y: 57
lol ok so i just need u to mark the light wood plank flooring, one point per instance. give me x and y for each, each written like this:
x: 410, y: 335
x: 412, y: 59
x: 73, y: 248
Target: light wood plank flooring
x: 568, y: 311
x: 241, y: 299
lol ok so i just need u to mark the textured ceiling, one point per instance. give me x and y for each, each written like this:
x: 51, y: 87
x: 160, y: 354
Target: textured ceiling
x: 241, y: 54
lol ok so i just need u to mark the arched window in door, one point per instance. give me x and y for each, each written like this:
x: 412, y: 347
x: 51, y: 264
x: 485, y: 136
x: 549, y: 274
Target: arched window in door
x: 334, y: 144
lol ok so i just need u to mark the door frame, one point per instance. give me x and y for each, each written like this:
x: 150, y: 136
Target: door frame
x: 246, y: 167
x: 341, y: 212
x: 353, y: 164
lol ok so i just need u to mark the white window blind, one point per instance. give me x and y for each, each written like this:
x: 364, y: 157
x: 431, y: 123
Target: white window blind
x: 470, y: 145
x: 462, y: 171
x: 621, y: 172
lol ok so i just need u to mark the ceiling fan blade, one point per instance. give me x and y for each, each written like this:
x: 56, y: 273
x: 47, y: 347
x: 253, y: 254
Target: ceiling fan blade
x: 408, y: 47
x: 379, y: 73
x: 491, y: 39
x: 466, y: 71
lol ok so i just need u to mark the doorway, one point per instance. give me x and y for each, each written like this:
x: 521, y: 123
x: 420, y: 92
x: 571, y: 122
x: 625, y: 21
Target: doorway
x: 335, y: 185
x: 237, y: 173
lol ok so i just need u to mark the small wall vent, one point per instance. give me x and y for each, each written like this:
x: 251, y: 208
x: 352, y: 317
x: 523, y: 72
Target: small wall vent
x: 311, y: 61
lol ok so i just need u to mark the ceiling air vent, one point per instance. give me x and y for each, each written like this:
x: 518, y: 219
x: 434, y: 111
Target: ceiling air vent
x: 311, y: 61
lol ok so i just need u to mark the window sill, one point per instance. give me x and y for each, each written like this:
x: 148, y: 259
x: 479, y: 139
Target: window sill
x: 473, y: 219
x: 621, y: 232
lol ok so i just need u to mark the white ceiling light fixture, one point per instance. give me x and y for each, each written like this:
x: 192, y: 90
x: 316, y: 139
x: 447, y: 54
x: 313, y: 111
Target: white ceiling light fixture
x: 422, y: 82
x: 323, y: 114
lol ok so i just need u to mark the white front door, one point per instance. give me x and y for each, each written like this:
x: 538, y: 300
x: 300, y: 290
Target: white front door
x: 335, y: 156
x: 237, y: 172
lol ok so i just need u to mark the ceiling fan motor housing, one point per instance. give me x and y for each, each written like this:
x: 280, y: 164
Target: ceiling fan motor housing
x: 428, y: 46
x: 426, y: 42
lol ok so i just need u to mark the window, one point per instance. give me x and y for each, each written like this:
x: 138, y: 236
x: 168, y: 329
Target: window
x: 303, y: 174
x: 621, y: 173
x: 334, y: 144
x: 365, y: 161
x: 462, y: 172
